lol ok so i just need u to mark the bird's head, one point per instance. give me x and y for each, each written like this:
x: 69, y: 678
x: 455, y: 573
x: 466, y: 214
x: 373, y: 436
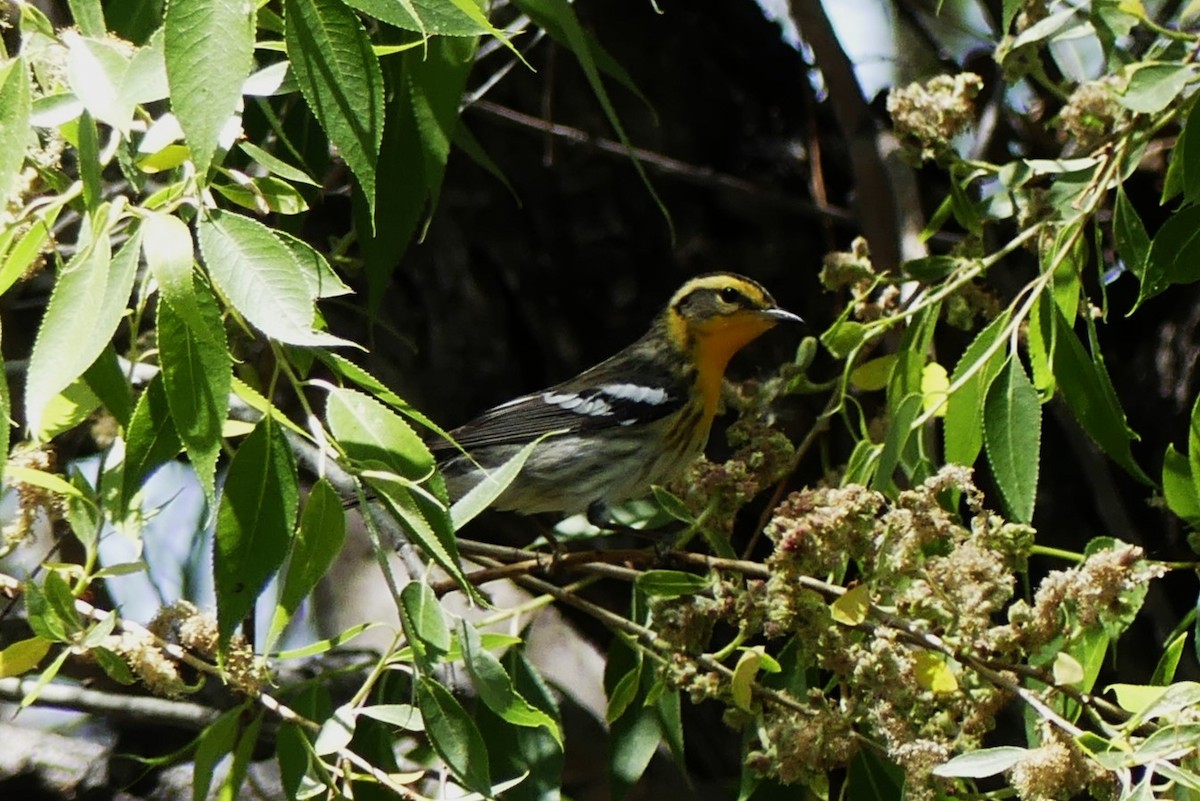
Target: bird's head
x: 714, y: 316
x: 720, y: 313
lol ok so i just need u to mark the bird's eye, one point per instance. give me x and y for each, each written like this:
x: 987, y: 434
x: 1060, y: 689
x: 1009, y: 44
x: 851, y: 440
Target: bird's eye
x: 730, y: 295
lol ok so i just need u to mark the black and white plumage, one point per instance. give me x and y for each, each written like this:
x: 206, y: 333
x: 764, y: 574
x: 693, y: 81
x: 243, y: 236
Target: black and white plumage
x: 636, y: 419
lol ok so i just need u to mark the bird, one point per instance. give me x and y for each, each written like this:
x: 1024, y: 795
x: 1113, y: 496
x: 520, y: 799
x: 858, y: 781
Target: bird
x: 636, y: 419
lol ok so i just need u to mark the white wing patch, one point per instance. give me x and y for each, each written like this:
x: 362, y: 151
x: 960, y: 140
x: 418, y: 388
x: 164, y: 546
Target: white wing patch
x: 636, y: 393
x: 570, y: 401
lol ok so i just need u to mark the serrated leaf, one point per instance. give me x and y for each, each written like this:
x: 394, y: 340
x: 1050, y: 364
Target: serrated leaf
x: 97, y: 70
x: 424, y: 624
x: 485, y: 493
x: 1179, y: 487
x: 495, y: 686
x: 23, y: 656
x: 372, y: 435
x: 422, y: 16
x: 170, y: 255
x: 255, y: 270
x: 264, y: 195
x: 87, y: 304
x: 276, y: 165
x: 1012, y: 432
x: 317, y: 543
x: 209, y: 50
x: 1089, y: 393
x: 672, y: 583
x: 1153, y: 87
x: 197, y: 376
x: 851, y: 607
x: 16, y: 106
x: 454, y: 736
x: 255, y: 519
x: 982, y: 763
x: 1174, y: 256
x: 323, y: 282
x: 339, y: 76
x: 1129, y: 234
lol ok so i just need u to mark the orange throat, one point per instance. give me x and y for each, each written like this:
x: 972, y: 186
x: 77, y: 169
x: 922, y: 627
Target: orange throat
x: 714, y: 346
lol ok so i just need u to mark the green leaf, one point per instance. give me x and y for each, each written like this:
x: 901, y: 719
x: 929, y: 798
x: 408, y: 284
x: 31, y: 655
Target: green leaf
x: 113, y: 666
x: 495, y: 686
x: 276, y: 165
x: 215, y: 742
x: 43, y: 619
x: 851, y: 608
x: 1191, y: 144
x: 404, y: 716
x: 323, y: 282
x: 1129, y: 233
x: 209, y: 50
x: 518, y: 751
x: 89, y: 16
x: 256, y: 271
x: 424, y: 624
x: 322, y: 646
x: 1174, y: 254
x: 23, y: 656
x: 1012, y: 433
x: 1089, y: 392
x: 843, y: 337
x: 264, y: 195
x: 317, y: 543
x: 108, y: 382
x: 437, y: 17
x: 633, y: 740
x: 242, y: 756
x: 254, y: 522
x: 1168, y: 663
x: 670, y: 584
x: 484, y: 494
x: 1180, y: 488
x: 1153, y: 87
x: 415, y: 152
x: 85, y: 308
x: 98, y: 73
x: 622, y: 678
x: 29, y: 245
x: 151, y: 438
x: 741, y: 686
x: 376, y: 437
x: 16, y: 106
x: 872, y: 777
x: 167, y: 245
x: 454, y: 736
x: 982, y: 762
x: 339, y: 76
x: 1194, y: 445
x: 899, y: 430
x: 197, y: 376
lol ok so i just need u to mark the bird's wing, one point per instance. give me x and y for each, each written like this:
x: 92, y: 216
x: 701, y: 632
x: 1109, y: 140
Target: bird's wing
x: 591, y: 401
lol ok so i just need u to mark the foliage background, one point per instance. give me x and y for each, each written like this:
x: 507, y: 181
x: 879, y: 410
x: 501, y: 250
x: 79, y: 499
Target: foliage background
x: 511, y: 289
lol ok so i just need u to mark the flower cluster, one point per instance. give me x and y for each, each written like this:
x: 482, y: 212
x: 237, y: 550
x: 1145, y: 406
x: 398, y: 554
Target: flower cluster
x: 927, y: 116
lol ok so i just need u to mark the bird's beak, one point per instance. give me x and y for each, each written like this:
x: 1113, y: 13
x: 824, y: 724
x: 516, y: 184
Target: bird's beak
x: 781, y: 316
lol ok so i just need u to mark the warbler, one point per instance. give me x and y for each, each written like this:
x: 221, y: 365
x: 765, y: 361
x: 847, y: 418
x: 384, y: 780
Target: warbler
x: 636, y: 419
